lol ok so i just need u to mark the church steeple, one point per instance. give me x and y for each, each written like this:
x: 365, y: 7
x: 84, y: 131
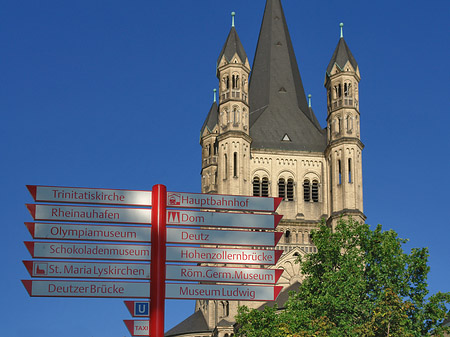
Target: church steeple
x: 233, y: 70
x: 277, y: 98
x: 344, y: 150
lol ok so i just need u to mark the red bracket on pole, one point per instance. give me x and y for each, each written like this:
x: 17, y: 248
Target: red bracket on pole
x: 158, y: 264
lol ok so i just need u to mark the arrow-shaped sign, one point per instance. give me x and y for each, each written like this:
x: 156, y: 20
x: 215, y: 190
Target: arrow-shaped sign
x: 69, y: 269
x: 222, y: 255
x: 138, y: 308
x: 222, y: 292
x: 217, y: 201
x: 114, y: 289
x: 222, y: 237
x: 90, y: 214
x: 221, y: 219
x: 56, y: 231
x: 90, y: 195
x: 222, y: 274
x: 138, y: 327
x: 95, y: 251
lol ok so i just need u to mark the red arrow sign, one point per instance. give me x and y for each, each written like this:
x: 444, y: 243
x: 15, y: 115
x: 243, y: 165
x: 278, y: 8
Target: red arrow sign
x: 138, y: 308
x: 138, y: 328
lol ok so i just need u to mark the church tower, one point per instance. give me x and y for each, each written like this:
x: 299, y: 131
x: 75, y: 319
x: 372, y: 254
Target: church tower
x: 344, y: 147
x: 225, y: 134
x: 261, y: 137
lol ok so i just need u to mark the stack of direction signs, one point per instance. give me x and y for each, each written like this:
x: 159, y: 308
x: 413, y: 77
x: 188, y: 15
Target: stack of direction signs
x: 131, y: 242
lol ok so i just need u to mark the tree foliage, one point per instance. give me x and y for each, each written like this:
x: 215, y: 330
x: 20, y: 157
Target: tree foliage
x: 359, y: 283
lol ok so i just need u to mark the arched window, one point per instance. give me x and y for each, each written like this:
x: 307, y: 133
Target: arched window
x: 235, y: 115
x: 315, y: 191
x: 347, y: 89
x: 226, y: 82
x: 282, y: 188
x: 290, y: 190
x: 235, y: 81
x: 306, y: 190
x: 265, y: 187
x: 225, y: 169
x: 287, y: 236
x: 260, y: 187
x: 256, y: 187
x: 339, y: 172
x: 349, y: 170
x: 235, y: 165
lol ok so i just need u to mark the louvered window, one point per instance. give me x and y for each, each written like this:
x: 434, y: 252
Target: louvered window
x: 265, y: 187
x: 290, y: 190
x: 315, y: 191
x: 256, y: 187
x: 281, y: 189
x: 306, y: 190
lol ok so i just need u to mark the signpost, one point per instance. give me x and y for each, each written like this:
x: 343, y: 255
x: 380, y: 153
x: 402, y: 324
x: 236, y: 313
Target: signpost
x: 148, y: 278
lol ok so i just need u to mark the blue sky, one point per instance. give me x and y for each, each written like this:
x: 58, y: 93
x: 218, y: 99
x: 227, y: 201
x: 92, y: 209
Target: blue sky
x: 113, y: 94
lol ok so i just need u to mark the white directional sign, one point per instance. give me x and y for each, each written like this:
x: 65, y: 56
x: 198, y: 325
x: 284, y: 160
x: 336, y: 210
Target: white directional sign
x: 221, y: 219
x: 56, y: 231
x: 221, y: 255
x: 230, y: 202
x: 90, y: 195
x: 138, y: 328
x: 96, y: 251
x: 69, y: 269
x: 222, y: 237
x: 222, y: 292
x: 222, y: 274
x: 90, y: 214
x: 117, y: 289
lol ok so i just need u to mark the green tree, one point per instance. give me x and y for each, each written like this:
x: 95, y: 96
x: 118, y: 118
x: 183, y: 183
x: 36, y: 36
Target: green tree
x: 359, y: 283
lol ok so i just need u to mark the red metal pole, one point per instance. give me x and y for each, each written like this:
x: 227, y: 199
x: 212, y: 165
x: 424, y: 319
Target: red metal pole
x: 158, y: 263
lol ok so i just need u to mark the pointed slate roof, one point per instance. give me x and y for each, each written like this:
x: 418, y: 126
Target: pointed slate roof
x: 341, y: 56
x: 232, y: 46
x: 211, y: 120
x: 278, y: 104
x: 193, y: 324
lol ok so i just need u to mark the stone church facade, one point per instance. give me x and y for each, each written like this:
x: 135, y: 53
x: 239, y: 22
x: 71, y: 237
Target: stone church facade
x: 262, y: 138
